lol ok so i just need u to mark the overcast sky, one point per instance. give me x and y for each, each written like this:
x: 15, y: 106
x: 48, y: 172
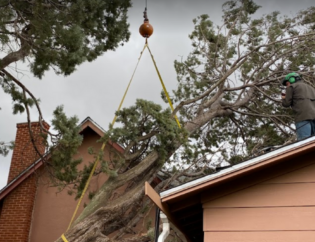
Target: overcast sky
x: 96, y: 88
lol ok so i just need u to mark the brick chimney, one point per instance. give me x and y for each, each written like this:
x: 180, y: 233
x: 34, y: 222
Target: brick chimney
x: 17, y: 207
x: 24, y: 153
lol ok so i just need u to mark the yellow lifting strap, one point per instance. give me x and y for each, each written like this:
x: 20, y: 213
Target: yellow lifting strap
x: 113, y: 122
x: 165, y: 91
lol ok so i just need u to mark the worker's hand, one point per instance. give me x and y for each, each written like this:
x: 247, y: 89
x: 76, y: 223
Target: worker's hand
x: 283, y: 94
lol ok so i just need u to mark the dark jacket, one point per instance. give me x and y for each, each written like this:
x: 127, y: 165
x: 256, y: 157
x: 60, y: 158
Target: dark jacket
x: 301, y: 97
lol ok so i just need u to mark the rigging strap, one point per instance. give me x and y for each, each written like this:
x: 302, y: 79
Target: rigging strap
x: 164, y: 88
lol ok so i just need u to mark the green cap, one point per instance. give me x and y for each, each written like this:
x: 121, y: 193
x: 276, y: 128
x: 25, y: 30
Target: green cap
x: 291, y: 77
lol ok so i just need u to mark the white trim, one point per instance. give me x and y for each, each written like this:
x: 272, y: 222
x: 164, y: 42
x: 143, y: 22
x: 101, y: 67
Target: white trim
x: 93, y: 122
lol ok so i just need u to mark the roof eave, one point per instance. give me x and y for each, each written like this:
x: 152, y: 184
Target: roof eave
x: 20, y: 178
x: 88, y: 122
x: 238, y: 170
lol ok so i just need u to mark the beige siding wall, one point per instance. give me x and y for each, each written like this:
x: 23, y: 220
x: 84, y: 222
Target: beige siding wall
x: 278, y: 210
x: 272, y: 236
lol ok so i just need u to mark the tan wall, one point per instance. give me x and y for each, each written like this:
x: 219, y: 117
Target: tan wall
x: 53, y: 210
x: 278, y: 210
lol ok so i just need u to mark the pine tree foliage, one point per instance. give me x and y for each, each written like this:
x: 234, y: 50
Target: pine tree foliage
x: 61, y: 163
x: 61, y: 34
x: 235, y: 72
x: 61, y: 145
x: 145, y: 127
x: 6, y: 147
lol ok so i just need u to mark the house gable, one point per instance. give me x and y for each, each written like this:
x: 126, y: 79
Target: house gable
x: 53, y: 209
x: 88, y: 123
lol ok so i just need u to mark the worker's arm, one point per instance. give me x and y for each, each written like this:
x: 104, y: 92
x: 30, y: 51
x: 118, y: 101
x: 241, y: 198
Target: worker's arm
x: 287, y: 101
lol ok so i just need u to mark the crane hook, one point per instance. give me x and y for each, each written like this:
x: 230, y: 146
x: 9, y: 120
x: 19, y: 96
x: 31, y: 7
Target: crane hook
x: 146, y: 28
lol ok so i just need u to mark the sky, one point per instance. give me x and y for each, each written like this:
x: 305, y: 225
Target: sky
x: 95, y: 89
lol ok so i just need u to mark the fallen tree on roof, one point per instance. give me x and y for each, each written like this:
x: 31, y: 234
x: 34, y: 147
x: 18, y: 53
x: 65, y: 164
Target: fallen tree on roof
x: 229, y: 106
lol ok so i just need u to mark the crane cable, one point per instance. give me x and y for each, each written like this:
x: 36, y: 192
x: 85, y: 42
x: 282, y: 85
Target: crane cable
x: 113, y: 122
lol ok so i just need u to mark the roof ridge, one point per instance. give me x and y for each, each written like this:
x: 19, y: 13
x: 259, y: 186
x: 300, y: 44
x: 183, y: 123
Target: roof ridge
x: 95, y: 123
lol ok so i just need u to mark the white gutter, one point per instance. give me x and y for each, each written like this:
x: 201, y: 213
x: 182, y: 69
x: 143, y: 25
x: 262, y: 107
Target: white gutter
x: 166, y: 227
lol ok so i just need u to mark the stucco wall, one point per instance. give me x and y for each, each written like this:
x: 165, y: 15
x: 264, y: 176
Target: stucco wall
x: 281, y: 209
x: 53, y: 209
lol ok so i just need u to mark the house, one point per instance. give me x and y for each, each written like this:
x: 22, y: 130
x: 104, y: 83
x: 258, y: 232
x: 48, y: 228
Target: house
x: 30, y: 208
x: 268, y: 198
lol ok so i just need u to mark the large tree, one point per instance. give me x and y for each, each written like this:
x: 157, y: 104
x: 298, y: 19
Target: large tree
x: 60, y: 34
x: 229, y: 105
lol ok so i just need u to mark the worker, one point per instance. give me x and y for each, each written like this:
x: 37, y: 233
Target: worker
x: 301, y: 98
